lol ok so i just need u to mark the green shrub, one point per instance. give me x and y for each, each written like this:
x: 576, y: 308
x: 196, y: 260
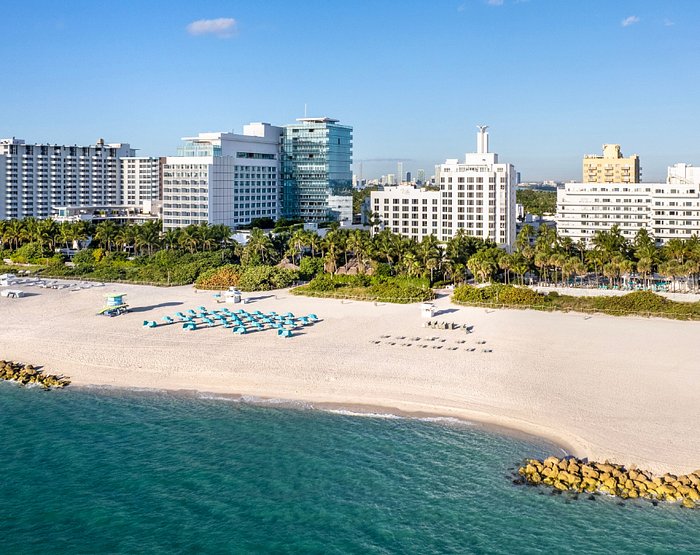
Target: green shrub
x: 310, y: 267
x: 31, y: 253
x: 322, y: 282
x: 265, y: 278
x: 386, y: 289
x: 642, y: 303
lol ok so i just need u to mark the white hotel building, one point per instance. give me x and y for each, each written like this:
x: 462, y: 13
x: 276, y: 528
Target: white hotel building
x: 141, y: 180
x: 224, y: 178
x: 36, y: 179
x: 477, y: 195
x: 667, y: 210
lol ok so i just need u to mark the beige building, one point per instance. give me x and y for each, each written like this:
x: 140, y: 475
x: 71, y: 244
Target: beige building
x: 611, y: 167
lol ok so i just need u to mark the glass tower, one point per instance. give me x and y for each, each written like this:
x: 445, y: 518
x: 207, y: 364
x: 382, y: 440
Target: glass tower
x: 316, y: 160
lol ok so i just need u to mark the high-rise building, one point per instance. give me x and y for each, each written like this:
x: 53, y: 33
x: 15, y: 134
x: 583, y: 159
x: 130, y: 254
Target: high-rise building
x: 37, y: 179
x: 420, y: 177
x: 408, y: 177
x: 611, y: 167
x: 224, y: 178
x: 477, y: 196
x: 141, y: 180
x: 316, y: 164
x: 399, y: 171
x: 666, y: 210
x: 407, y: 210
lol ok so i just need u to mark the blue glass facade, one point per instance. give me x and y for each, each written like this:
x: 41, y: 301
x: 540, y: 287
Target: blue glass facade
x: 316, y: 163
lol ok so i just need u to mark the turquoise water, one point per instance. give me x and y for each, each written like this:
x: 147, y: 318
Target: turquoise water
x: 99, y: 471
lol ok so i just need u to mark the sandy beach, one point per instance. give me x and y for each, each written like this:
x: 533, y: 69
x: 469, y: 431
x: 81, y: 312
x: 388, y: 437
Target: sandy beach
x: 623, y: 389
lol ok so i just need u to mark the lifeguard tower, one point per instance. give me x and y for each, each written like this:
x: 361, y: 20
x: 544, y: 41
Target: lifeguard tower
x: 114, y: 305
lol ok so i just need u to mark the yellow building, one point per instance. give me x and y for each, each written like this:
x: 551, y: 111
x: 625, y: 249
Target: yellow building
x: 611, y: 167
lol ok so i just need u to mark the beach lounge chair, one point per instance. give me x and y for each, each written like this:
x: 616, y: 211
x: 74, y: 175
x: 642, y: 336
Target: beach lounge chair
x: 284, y: 333
x: 240, y: 330
x: 167, y: 319
x: 313, y: 317
x: 189, y: 326
x: 150, y: 323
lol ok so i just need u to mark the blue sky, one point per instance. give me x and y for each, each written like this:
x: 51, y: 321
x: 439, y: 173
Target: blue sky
x: 554, y: 79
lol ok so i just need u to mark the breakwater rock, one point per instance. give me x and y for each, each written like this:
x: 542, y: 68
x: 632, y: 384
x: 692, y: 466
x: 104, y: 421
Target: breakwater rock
x: 26, y: 374
x: 571, y: 474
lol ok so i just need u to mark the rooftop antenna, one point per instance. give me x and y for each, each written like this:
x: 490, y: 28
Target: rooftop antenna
x: 304, y: 109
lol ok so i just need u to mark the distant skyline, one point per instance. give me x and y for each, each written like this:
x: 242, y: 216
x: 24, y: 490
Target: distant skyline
x: 554, y: 80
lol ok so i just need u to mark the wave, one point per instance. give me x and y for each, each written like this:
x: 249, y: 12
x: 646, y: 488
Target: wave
x: 345, y: 412
x: 446, y: 420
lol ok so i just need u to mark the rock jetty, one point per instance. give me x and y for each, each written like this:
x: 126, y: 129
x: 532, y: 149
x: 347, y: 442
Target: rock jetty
x: 571, y: 474
x: 26, y: 374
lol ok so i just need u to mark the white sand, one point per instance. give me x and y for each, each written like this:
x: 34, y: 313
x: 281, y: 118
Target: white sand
x: 623, y: 389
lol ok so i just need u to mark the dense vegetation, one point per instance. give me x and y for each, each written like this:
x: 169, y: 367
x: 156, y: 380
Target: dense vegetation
x: 368, y: 288
x: 537, y: 202
x: 641, y: 303
x: 206, y: 255
x: 146, y: 253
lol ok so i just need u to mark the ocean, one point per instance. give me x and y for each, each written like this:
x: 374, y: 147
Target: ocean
x: 120, y: 471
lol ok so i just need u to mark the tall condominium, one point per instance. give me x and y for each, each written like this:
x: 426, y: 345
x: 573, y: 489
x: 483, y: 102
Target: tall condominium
x: 316, y: 160
x: 36, y: 179
x: 223, y: 178
x: 141, y: 180
x: 611, y: 167
x: 477, y: 196
x: 407, y: 210
x: 666, y: 210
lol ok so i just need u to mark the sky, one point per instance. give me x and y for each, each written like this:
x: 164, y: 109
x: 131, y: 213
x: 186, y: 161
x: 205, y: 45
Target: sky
x: 553, y: 79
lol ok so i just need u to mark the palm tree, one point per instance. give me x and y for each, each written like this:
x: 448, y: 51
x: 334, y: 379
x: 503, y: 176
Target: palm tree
x: 298, y: 242
x: 15, y: 233
x: 105, y: 233
x: 645, y: 267
x: 189, y: 238
x: 524, y: 238
x: 520, y: 265
x: 429, y: 253
x: 171, y: 238
x: 671, y: 269
x: 148, y: 236
x: 596, y: 258
x: 542, y: 265
x: 484, y: 264
x: 126, y: 237
x: 259, y: 247
x: 358, y: 244
x: 207, y: 236
x: 505, y: 263
x: 676, y: 249
x: 47, y: 233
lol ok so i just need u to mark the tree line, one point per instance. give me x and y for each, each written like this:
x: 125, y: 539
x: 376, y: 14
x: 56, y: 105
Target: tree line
x: 540, y: 255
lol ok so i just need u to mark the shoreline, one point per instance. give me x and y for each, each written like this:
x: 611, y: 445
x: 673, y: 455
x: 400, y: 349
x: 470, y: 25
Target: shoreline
x: 623, y: 389
x: 483, y: 421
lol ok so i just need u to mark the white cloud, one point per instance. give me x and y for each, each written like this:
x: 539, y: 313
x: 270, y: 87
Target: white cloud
x: 631, y: 20
x: 668, y: 23
x: 223, y: 27
x: 494, y: 2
